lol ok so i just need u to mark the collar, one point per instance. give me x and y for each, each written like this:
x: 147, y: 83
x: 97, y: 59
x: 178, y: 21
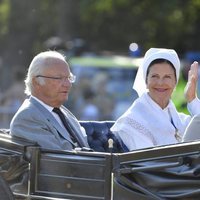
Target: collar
x: 49, y: 108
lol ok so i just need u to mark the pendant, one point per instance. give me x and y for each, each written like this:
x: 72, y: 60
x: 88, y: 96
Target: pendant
x: 177, y: 136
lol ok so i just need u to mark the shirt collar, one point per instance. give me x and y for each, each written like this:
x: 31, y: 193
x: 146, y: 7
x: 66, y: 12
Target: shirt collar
x: 49, y: 108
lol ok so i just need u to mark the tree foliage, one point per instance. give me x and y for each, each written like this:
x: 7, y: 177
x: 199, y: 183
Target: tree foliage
x: 104, y: 25
x: 115, y: 24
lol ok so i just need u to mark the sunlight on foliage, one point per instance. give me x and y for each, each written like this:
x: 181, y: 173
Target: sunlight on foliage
x: 178, y: 96
x: 4, y: 14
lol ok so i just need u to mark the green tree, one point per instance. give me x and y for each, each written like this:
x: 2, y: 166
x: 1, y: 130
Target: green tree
x: 105, y: 25
x: 114, y: 24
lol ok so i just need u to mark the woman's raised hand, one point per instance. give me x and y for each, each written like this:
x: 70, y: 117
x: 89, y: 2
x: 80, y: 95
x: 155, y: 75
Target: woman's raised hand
x: 191, y: 86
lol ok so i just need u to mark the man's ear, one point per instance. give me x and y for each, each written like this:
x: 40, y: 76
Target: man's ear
x: 36, y: 82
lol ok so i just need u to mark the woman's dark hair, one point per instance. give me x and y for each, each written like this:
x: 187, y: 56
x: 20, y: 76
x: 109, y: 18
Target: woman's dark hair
x: 158, y: 61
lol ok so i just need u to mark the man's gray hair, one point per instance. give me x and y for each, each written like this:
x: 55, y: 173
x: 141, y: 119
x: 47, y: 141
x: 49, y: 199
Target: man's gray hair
x: 37, y: 66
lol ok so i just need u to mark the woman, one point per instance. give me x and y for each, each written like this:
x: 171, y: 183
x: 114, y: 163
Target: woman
x: 153, y: 119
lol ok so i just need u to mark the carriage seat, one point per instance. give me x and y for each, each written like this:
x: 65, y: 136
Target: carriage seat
x: 99, y: 133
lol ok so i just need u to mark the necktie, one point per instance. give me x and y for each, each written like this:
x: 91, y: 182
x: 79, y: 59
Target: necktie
x: 66, y: 124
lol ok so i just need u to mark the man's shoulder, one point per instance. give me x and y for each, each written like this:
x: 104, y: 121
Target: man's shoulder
x: 28, y: 114
x: 26, y: 105
x: 27, y: 109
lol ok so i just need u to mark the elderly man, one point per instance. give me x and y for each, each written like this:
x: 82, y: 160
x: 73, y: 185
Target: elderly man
x: 42, y: 118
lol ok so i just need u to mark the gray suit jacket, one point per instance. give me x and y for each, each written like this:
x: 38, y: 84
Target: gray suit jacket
x: 34, y: 122
x: 192, y: 131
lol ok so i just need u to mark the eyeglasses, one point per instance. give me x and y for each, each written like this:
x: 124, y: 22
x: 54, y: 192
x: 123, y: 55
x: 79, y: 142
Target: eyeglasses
x: 71, y: 78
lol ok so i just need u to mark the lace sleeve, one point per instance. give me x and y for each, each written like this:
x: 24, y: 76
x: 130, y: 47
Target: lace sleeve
x: 133, y: 134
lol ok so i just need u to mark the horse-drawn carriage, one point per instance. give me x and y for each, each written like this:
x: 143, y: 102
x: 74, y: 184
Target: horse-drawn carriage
x: 166, y: 172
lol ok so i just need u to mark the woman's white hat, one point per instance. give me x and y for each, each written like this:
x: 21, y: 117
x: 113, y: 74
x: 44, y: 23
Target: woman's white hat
x: 151, y: 55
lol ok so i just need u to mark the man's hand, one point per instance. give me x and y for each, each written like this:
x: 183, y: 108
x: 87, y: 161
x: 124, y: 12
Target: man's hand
x: 191, y: 86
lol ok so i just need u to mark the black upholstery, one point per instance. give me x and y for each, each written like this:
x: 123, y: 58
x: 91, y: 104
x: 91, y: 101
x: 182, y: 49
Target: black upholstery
x: 98, y: 133
x: 5, y: 191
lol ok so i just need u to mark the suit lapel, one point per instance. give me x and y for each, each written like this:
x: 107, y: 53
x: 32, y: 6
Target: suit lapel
x: 75, y: 127
x: 52, y: 120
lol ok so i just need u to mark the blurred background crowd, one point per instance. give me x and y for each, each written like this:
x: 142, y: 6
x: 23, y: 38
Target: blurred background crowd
x: 104, y: 42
